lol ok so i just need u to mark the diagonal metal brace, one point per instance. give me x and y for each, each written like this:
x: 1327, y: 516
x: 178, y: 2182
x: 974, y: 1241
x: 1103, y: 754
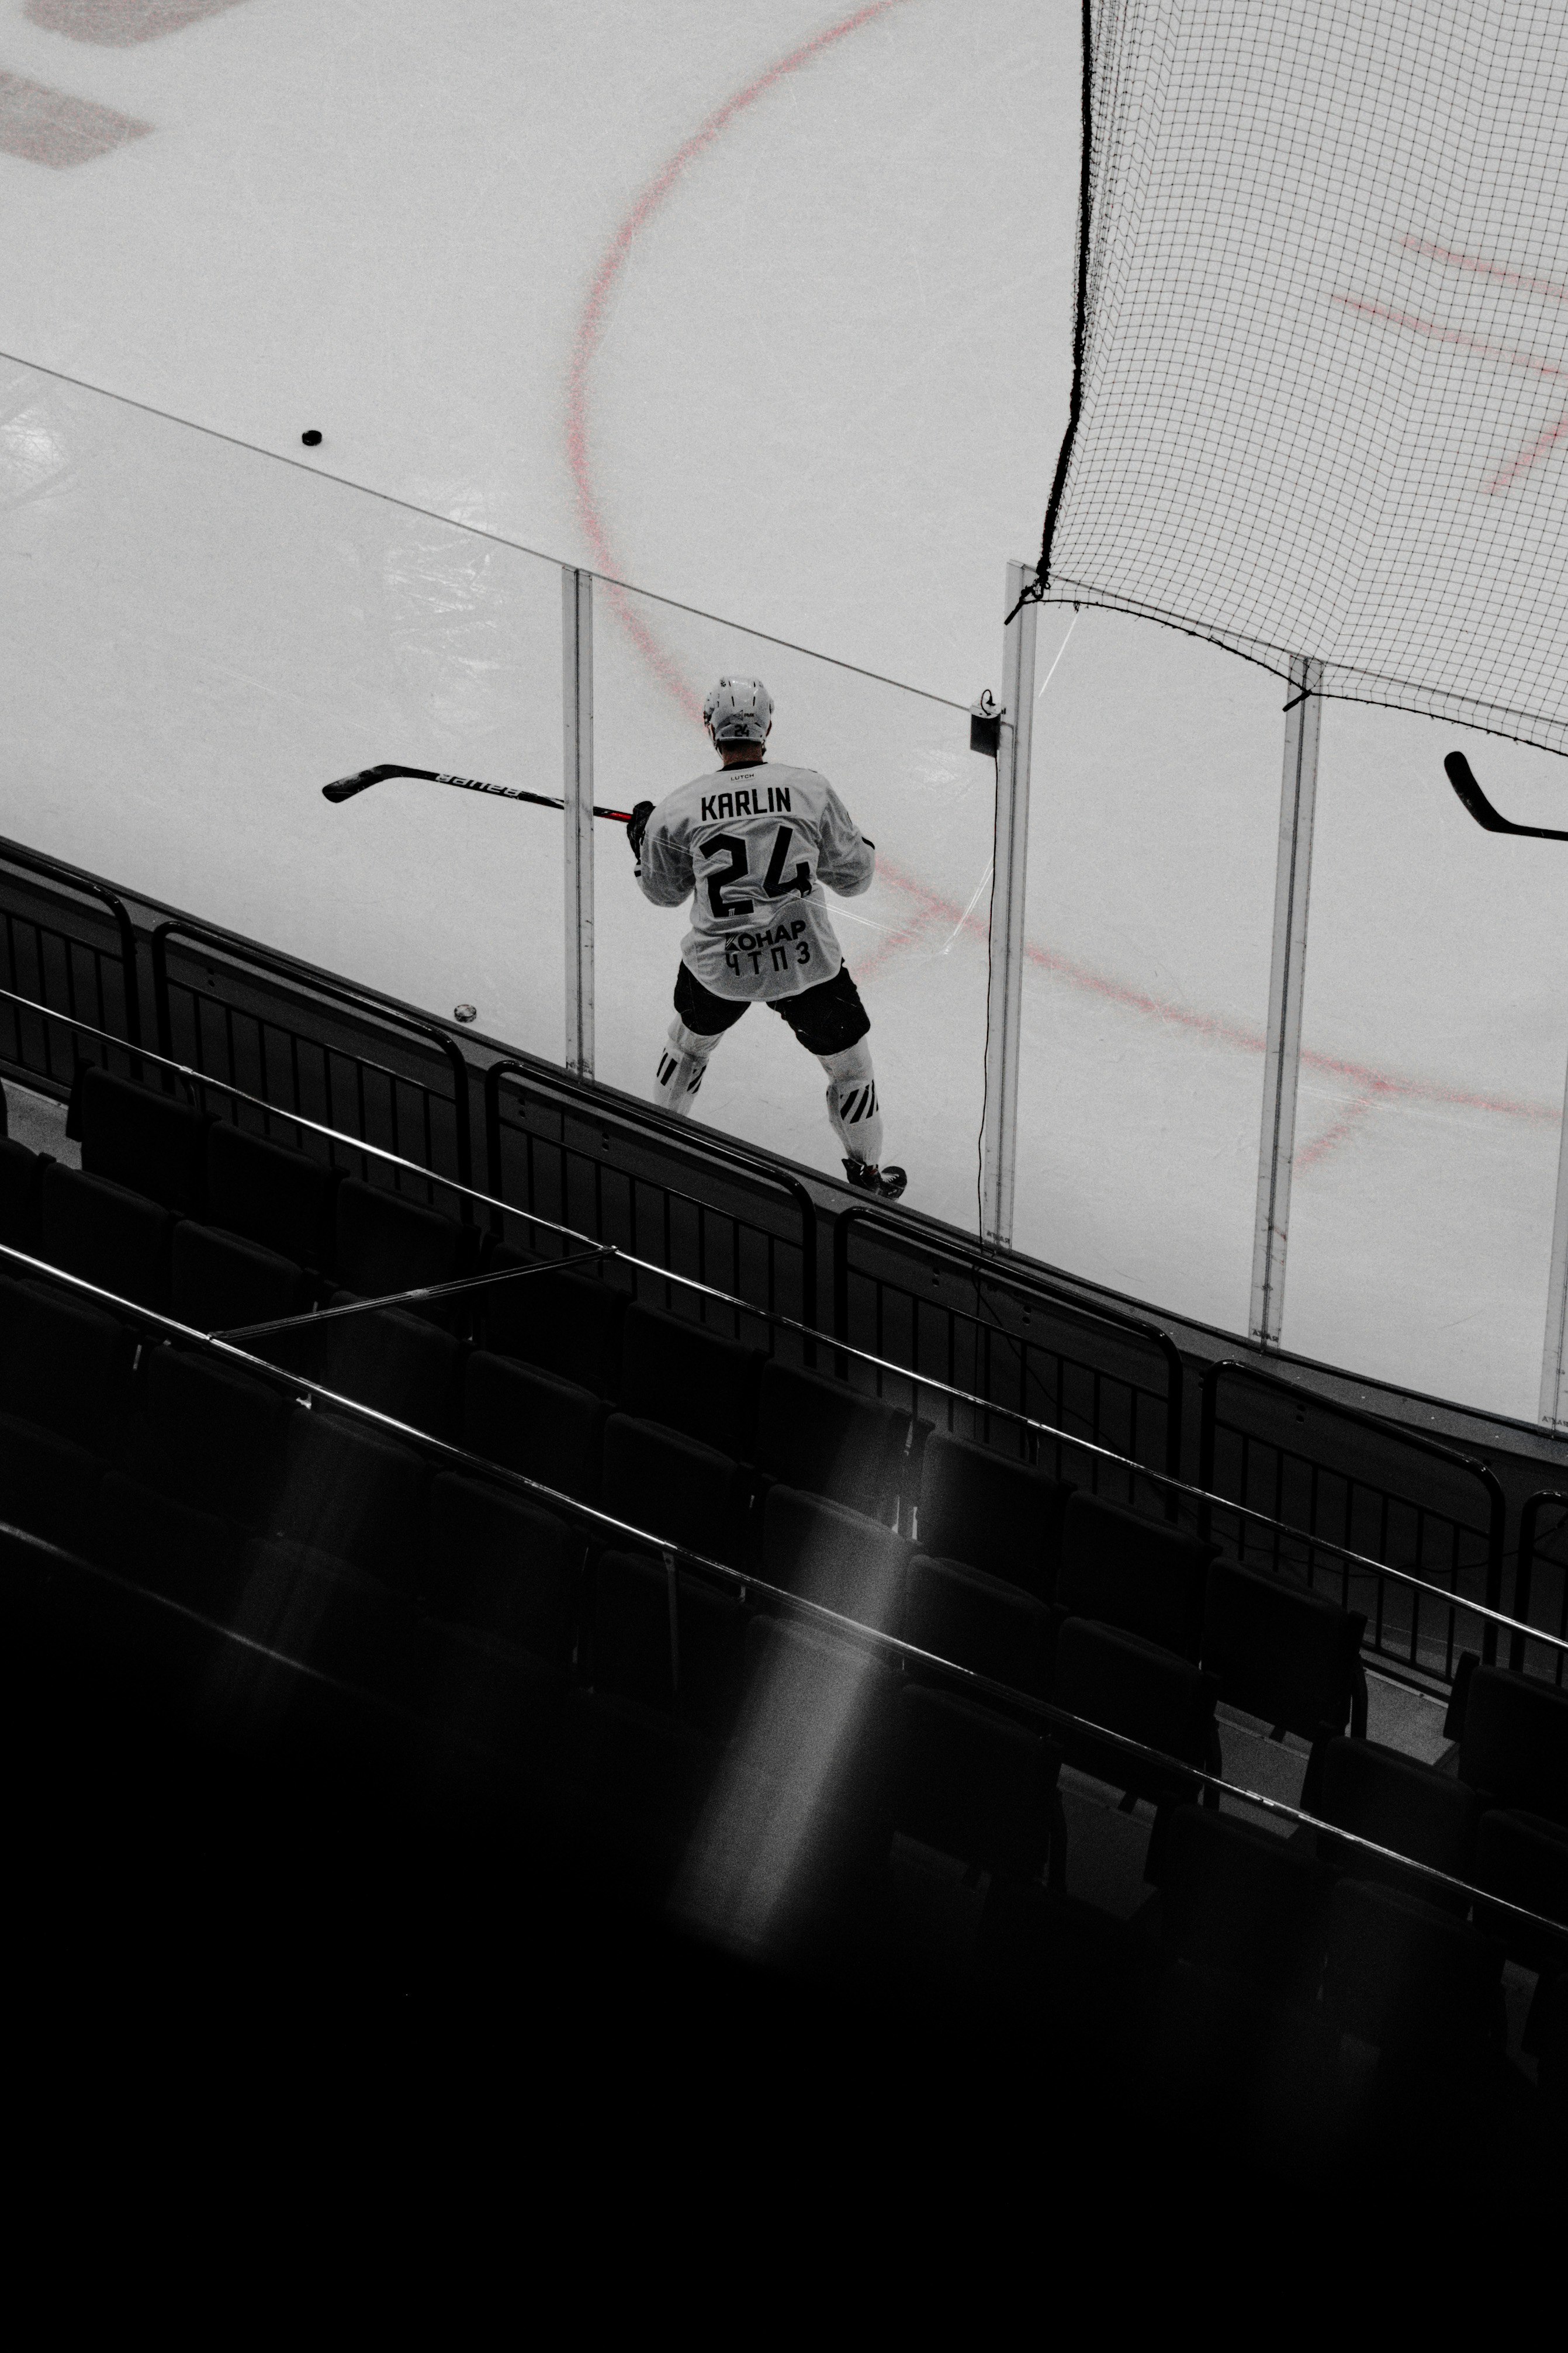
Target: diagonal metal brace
x: 320, y: 1315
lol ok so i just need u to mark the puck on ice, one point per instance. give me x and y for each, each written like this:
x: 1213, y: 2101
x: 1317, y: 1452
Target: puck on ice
x: 312, y: 440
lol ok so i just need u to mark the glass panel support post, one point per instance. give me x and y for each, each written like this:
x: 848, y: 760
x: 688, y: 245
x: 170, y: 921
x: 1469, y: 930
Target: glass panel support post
x: 577, y: 739
x: 1287, y: 971
x: 999, y: 1135
x: 1554, y: 1356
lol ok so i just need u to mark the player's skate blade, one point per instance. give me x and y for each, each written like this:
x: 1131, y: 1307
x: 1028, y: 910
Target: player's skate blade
x: 882, y: 1184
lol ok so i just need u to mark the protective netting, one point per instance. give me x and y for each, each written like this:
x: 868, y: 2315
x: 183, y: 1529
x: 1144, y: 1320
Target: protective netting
x: 1322, y: 400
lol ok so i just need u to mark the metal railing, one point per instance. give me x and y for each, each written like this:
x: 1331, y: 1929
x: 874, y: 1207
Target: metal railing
x: 548, y: 1171
x: 1344, y: 1509
x: 1540, y: 1582
x: 1133, y: 1408
x: 57, y: 967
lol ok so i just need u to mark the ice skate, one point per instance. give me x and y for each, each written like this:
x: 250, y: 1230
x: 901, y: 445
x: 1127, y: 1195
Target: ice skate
x: 882, y: 1184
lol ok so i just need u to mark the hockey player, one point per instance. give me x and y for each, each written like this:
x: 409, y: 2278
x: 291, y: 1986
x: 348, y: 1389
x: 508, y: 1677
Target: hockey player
x: 753, y: 847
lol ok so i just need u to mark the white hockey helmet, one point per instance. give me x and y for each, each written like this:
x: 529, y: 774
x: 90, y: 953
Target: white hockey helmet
x: 739, y: 711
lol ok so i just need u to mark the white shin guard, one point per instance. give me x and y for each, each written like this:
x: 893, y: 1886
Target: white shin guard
x: 681, y: 1065
x: 852, y: 1102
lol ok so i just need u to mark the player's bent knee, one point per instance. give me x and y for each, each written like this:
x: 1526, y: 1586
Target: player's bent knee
x: 692, y: 1042
x: 854, y: 1062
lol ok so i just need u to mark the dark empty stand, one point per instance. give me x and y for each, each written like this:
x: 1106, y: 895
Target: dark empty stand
x: 1140, y: 1575
x: 169, y: 1543
x: 1513, y: 1738
x: 999, y: 1517
x: 49, y: 1485
x: 1410, y: 1977
x: 271, y: 1195
x: 110, y: 1237
x: 339, y: 1617
x: 640, y: 1778
x: 835, y: 1557
x: 218, y: 1281
x: 636, y: 1651
x: 1290, y: 1656
x: 63, y: 1363
x: 1523, y: 1858
x: 1124, y: 1684
x: 533, y: 1423
x: 206, y: 1432
x: 673, y: 1487
x: 1398, y: 1803
x: 567, y: 1323
x: 352, y: 1495
x: 20, y: 1172
x: 816, y: 1434
x: 153, y: 1144
x: 384, y: 1243
x: 694, y: 1380
x: 395, y: 1363
x: 1238, y: 1899
x: 982, y: 1622
x: 975, y: 1786
x: 501, y: 1566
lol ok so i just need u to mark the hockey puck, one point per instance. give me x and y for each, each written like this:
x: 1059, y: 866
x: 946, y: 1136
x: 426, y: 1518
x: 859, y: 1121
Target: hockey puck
x: 312, y: 440
x: 465, y: 1012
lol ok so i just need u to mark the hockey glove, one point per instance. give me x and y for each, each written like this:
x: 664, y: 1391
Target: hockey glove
x: 636, y: 826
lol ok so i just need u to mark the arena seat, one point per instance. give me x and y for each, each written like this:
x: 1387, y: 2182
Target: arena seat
x: 641, y: 1777
x: 48, y: 1485
x: 973, y: 1785
x: 341, y: 1617
x: 271, y: 1195
x: 1513, y: 1738
x: 384, y: 1243
x: 816, y: 1434
x: 21, y: 1173
x: 672, y: 1486
x: 153, y: 1144
x: 1523, y: 1858
x: 689, y: 1378
x: 999, y: 1517
x: 1408, y: 1977
x: 983, y: 1622
x: 218, y: 1281
x: 568, y: 1323
x: 500, y: 1566
x: 1292, y: 1657
x: 1397, y: 1802
x: 1140, y: 1575
x: 533, y: 1423
x: 205, y: 1432
x: 1235, y: 1898
x: 835, y: 1557
x: 352, y: 1496
x: 169, y: 1543
x: 395, y: 1362
x: 1125, y: 1685
x: 63, y: 1363
x: 630, y: 1653
x: 110, y: 1237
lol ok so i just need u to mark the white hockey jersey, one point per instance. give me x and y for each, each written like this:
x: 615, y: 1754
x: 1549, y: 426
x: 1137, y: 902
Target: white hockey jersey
x: 754, y: 847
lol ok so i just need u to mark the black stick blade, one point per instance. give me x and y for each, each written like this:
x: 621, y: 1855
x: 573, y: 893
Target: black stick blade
x: 344, y: 788
x: 1462, y: 777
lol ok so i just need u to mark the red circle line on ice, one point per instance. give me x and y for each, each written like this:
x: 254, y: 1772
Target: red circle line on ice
x: 1367, y: 1086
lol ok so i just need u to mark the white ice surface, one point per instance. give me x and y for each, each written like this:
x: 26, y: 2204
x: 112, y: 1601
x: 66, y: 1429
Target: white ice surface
x: 827, y: 398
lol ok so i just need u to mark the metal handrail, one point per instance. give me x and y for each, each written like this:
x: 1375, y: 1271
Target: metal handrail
x: 864, y: 1356
x: 892, y: 1647
x: 55, y: 870
x: 341, y: 992
x: 716, y: 1148
x: 1524, y: 1570
x: 980, y: 1267
x: 1497, y: 1504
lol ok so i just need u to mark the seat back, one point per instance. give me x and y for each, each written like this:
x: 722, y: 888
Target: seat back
x: 1125, y: 1685
x: 1514, y: 1745
x: 837, y: 1558
x: 352, y: 1496
x: 20, y: 1173
x: 566, y: 1323
x: 673, y: 1487
x: 981, y: 1622
x: 999, y: 1517
x: 1408, y: 1977
x: 63, y: 1363
x: 499, y: 1565
x: 1234, y: 1897
x: 384, y: 1243
x: 631, y: 1653
x: 970, y: 1783
x: 271, y: 1195
x: 819, y: 1435
x: 395, y: 1363
x: 205, y: 1433
x: 106, y: 1234
x: 218, y: 1281
x: 533, y: 1423
x: 1134, y: 1573
x: 153, y: 1144
x: 692, y: 1379
x: 1288, y: 1656
x: 1397, y: 1803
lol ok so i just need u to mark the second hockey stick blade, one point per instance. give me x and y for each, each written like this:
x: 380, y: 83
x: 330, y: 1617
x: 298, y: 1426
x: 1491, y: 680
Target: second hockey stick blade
x: 1462, y: 777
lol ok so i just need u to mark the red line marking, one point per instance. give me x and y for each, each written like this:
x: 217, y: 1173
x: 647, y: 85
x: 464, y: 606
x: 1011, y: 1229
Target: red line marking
x: 1487, y: 269
x: 929, y: 906
x: 1511, y: 471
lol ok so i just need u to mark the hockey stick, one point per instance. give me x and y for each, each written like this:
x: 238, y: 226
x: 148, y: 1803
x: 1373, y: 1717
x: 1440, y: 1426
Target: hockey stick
x: 1462, y: 777
x: 344, y: 788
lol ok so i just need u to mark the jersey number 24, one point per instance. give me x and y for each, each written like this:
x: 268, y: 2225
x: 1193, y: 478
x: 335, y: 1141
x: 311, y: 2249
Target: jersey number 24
x: 774, y: 885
